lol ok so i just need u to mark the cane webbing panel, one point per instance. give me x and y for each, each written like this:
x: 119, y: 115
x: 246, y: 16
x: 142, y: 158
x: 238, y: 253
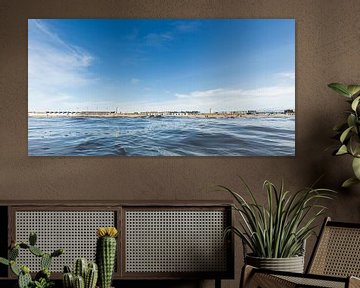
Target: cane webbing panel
x: 338, y: 252
x: 175, y: 241
x: 75, y: 231
x: 267, y: 280
x: 313, y: 282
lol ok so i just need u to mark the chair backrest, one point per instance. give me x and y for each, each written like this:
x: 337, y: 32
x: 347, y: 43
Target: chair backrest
x: 337, y: 251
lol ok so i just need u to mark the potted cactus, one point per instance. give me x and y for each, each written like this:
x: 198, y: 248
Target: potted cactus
x: 42, y: 278
x: 106, y: 254
x: 85, y: 275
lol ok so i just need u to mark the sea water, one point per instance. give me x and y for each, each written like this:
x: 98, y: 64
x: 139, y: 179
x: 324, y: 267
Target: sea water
x: 166, y: 136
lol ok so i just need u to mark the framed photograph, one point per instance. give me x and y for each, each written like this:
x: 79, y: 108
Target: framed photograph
x: 161, y: 87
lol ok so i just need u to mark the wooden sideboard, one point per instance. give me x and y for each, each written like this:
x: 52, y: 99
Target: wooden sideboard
x: 157, y: 240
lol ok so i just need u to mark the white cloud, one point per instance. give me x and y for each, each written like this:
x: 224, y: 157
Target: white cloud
x: 221, y: 99
x: 285, y: 76
x: 187, y: 26
x: 158, y: 39
x: 54, y: 66
x: 135, y: 81
x: 178, y: 27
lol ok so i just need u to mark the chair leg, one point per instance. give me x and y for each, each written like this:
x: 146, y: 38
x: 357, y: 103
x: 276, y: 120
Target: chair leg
x: 217, y: 283
x: 246, y: 274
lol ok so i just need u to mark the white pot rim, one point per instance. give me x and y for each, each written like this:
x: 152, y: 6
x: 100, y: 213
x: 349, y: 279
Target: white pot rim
x: 257, y: 257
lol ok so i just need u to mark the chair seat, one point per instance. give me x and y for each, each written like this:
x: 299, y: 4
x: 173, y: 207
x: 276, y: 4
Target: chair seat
x: 314, y: 282
x: 263, y: 278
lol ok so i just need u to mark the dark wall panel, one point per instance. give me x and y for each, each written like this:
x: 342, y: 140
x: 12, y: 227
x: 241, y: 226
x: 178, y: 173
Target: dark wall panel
x: 327, y: 50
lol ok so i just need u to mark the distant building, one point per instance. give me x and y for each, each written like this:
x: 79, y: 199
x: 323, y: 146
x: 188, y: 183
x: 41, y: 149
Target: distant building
x: 289, y: 111
x: 251, y: 112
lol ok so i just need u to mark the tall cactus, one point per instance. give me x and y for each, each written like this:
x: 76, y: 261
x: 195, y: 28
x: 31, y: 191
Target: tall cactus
x: 106, y: 254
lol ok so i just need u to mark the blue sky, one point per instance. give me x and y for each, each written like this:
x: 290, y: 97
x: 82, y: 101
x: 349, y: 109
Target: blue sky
x: 161, y: 65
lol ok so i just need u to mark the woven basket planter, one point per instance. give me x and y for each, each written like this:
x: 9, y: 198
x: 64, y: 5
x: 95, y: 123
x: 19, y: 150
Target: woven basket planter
x: 291, y: 264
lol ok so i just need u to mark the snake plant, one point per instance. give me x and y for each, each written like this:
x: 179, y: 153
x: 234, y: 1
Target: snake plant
x: 348, y: 132
x: 279, y: 228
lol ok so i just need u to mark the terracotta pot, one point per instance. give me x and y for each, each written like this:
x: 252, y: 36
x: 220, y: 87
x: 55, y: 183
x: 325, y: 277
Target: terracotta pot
x: 291, y: 264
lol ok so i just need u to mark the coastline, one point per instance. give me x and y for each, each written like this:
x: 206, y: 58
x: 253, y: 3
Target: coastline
x: 157, y: 115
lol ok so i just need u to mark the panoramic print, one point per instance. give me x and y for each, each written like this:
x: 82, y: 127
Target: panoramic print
x: 161, y: 87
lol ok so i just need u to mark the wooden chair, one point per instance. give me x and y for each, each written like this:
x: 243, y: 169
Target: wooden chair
x: 334, y: 263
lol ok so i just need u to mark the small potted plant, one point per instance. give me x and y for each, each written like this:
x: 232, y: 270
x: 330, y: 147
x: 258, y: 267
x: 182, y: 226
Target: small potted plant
x: 348, y: 132
x: 275, y: 233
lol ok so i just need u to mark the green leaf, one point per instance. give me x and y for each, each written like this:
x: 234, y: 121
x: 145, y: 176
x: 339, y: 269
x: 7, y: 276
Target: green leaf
x: 356, y: 167
x: 13, y: 253
x: 349, y: 182
x: 355, y: 103
x: 351, y: 120
x: 14, y: 268
x: 32, y: 238
x: 45, y: 261
x: 24, y: 245
x: 279, y: 228
x: 353, y: 89
x: 340, y: 88
x: 354, y: 145
x: 342, y: 150
x: 345, y: 134
x: 4, y: 261
x: 36, y: 251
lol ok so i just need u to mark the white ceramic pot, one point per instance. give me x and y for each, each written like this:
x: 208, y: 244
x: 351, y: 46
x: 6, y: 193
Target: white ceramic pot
x: 291, y: 264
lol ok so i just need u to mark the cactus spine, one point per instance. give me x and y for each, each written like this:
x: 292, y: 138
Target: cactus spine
x: 106, y: 254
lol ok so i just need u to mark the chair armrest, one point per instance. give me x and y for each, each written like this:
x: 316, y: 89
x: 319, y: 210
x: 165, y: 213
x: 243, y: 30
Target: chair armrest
x: 354, y: 282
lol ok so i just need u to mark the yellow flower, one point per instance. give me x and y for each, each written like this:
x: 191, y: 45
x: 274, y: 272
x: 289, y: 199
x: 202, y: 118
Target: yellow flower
x: 106, y: 231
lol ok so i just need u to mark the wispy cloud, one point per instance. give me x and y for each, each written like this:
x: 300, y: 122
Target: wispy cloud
x: 285, y: 76
x: 224, y: 99
x: 276, y: 97
x: 157, y: 40
x: 187, y: 26
x: 54, y: 66
x: 165, y: 37
x: 273, y: 91
x: 135, y: 81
